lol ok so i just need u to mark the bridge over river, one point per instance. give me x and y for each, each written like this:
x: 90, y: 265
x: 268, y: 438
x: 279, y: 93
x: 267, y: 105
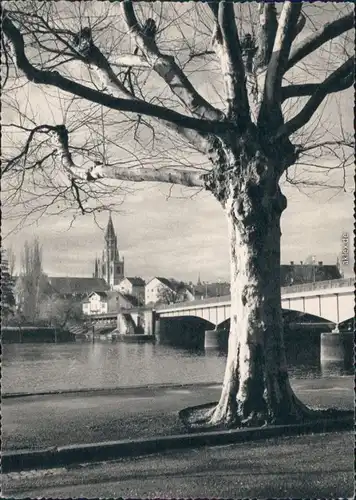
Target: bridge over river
x: 323, y: 304
x: 328, y: 301
x: 332, y: 301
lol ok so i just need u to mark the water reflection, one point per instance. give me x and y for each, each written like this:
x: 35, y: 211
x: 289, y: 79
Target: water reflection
x: 329, y: 368
x: 44, y: 367
x: 85, y: 365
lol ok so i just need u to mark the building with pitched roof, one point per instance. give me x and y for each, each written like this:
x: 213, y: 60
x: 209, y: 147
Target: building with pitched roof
x: 107, y: 302
x: 132, y: 286
x: 297, y: 274
x: 206, y: 290
x: 75, y: 287
x: 160, y: 290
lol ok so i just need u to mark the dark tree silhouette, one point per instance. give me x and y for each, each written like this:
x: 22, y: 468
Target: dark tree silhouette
x: 7, y: 292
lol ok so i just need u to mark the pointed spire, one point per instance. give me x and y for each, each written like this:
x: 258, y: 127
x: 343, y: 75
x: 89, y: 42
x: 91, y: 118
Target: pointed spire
x: 110, y: 231
x: 199, y: 282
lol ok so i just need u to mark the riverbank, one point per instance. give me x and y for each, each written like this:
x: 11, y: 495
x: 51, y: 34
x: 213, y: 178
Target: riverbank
x: 52, y: 420
x: 30, y: 334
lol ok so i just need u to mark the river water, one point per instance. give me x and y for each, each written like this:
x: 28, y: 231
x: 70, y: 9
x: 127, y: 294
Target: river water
x: 80, y: 365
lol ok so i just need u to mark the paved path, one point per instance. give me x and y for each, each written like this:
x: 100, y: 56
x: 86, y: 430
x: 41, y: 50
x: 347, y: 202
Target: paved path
x: 313, y: 466
x: 54, y: 420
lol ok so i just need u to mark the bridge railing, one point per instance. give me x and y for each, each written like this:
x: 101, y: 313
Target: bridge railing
x: 306, y: 287
x: 318, y: 285
x: 102, y: 316
x: 210, y: 300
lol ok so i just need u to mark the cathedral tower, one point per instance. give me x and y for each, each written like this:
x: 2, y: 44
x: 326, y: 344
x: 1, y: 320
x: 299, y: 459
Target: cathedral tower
x: 111, y: 267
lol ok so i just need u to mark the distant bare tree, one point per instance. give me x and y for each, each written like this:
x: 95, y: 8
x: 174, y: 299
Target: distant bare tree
x: 60, y: 312
x: 7, y: 293
x: 31, y: 284
x: 168, y: 295
x: 309, y: 260
x: 11, y: 260
x: 145, y: 106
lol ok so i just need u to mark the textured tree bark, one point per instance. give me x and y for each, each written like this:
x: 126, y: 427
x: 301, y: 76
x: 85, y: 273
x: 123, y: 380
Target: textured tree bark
x: 256, y: 389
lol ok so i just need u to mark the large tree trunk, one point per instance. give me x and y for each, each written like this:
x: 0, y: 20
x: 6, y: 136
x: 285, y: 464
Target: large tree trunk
x: 256, y: 388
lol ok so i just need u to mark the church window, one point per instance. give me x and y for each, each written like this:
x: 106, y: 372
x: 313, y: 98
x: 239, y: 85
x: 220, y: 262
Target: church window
x: 118, y: 270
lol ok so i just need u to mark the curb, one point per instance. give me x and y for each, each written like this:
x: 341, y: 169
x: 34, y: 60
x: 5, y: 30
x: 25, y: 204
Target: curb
x: 109, y: 450
x: 96, y: 391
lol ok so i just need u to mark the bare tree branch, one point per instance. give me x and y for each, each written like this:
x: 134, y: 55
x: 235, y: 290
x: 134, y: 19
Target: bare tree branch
x: 53, y: 78
x: 228, y: 47
x: 314, y: 41
x: 300, y: 25
x: 347, y: 142
x: 24, y: 151
x: 93, y: 56
x: 76, y: 192
x: 190, y: 178
x: 196, y: 55
x: 167, y: 68
x: 46, y: 47
x: 202, y: 142
x: 130, y: 61
x: 271, y: 111
x: 344, y: 73
x: 84, y: 44
x: 266, y: 34
x: 305, y: 89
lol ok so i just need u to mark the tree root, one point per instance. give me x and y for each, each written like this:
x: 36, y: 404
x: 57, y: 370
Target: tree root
x: 199, y: 417
x: 205, y: 417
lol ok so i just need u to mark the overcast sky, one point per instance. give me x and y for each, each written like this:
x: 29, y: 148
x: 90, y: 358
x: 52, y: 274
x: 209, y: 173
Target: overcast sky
x: 182, y: 236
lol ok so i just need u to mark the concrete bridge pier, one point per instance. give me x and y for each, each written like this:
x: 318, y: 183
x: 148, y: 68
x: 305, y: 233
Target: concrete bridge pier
x: 211, y: 339
x: 154, y: 325
x: 216, y: 339
x: 336, y: 352
x: 159, y: 329
x: 149, y: 317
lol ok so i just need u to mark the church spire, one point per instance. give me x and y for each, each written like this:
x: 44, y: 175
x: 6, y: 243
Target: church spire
x: 110, y: 231
x: 112, y: 265
x: 111, y: 241
x: 96, y: 268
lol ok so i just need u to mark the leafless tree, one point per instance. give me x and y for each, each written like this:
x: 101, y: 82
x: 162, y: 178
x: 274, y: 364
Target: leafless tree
x: 31, y: 283
x: 11, y: 260
x: 168, y: 295
x: 60, y: 312
x: 7, y: 294
x: 126, y: 114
